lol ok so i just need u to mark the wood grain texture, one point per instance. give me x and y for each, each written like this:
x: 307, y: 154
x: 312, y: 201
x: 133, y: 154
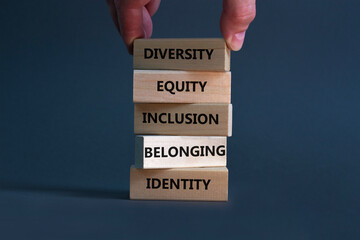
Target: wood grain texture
x: 164, y: 86
x: 183, y: 119
x: 153, y: 152
x: 198, y: 184
x: 211, y: 54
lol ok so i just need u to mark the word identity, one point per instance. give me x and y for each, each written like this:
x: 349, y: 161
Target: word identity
x: 170, y: 183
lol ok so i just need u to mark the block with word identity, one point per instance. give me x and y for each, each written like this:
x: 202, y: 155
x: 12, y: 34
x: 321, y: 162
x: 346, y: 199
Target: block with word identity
x: 179, y: 151
x: 182, y: 54
x: 202, y: 184
x: 164, y: 86
x: 183, y: 119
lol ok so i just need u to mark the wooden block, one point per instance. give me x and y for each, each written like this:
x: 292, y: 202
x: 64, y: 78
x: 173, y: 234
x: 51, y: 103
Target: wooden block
x: 201, y: 184
x: 179, y: 151
x: 164, y: 86
x: 182, y: 54
x: 183, y: 119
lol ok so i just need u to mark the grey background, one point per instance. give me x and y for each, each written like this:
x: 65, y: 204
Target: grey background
x: 66, y: 124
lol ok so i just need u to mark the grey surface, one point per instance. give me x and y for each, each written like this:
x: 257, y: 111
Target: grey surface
x: 66, y: 120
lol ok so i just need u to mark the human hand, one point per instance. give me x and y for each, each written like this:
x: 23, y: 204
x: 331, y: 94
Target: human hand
x: 133, y: 19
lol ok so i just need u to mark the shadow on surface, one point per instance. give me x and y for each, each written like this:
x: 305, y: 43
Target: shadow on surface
x: 67, y: 191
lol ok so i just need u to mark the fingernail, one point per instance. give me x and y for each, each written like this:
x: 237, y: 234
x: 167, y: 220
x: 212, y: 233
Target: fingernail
x: 237, y: 41
x: 144, y: 33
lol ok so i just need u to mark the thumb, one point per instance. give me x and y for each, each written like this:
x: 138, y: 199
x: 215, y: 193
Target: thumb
x: 235, y: 20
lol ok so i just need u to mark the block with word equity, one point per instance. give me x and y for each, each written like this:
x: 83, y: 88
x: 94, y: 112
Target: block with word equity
x: 183, y: 119
x: 166, y: 86
x: 179, y: 151
x: 203, y: 184
x: 182, y: 54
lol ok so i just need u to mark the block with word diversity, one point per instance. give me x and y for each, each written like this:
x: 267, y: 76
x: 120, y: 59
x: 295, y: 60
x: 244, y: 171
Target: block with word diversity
x: 182, y: 54
x: 183, y: 119
x: 156, y: 86
x: 202, y: 184
x: 179, y: 151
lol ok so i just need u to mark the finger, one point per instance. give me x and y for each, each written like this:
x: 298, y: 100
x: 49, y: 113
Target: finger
x: 147, y: 23
x: 153, y: 6
x: 133, y: 21
x: 235, y: 20
x: 113, y: 13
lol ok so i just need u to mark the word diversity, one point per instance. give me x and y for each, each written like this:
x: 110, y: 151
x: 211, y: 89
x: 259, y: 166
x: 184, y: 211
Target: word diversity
x: 182, y: 118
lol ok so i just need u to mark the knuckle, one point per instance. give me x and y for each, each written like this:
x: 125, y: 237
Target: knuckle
x: 242, y: 15
x: 121, y: 3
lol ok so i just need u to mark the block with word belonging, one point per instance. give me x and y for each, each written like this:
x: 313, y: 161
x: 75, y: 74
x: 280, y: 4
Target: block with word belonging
x: 183, y: 119
x: 182, y: 54
x: 164, y: 86
x: 202, y: 184
x: 179, y: 151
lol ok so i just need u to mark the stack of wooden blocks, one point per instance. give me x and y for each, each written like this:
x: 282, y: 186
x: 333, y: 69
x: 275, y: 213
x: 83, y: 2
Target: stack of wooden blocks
x: 182, y: 117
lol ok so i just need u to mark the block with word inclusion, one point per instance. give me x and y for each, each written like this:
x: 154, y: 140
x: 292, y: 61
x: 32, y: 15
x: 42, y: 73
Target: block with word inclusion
x: 183, y: 119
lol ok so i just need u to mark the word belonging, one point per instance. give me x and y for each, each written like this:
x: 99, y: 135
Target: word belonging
x: 186, y: 151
